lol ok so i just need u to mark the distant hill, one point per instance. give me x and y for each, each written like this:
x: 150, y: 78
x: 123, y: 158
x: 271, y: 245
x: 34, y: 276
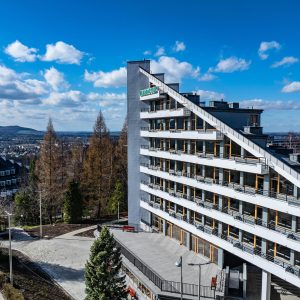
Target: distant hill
x: 18, y: 130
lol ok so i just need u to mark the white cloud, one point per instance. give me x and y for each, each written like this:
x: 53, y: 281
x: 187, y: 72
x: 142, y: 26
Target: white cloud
x: 179, y: 46
x: 16, y: 86
x: 265, y: 47
x: 62, y: 53
x: 147, y: 52
x: 270, y: 104
x: 208, y: 76
x: 20, y: 52
x: 174, y: 69
x: 107, y: 96
x: 69, y: 98
x: 160, y: 51
x: 55, y: 79
x: 115, y: 78
x: 210, y: 95
x: 232, y: 64
x: 291, y: 87
x: 286, y: 61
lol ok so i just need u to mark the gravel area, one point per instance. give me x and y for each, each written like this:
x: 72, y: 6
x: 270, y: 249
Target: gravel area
x: 63, y: 257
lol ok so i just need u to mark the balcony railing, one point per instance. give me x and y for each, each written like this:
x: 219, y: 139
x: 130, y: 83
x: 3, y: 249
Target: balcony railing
x: 245, y: 248
x: 237, y: 159
x: 235, y: 214
x: 292, y: 200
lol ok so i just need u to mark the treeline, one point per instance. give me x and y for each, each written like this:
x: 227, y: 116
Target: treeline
x: 76, y: 180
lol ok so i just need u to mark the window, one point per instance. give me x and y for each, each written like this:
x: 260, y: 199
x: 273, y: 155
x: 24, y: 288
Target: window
x: 7, y: 172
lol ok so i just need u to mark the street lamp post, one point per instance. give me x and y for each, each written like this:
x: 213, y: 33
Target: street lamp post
x: 41, y: 220
x: 10, y: 251
x: 199, y: 283
x: 179, y: 264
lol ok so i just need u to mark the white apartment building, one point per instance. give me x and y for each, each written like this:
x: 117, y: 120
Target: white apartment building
x: 203, y: 175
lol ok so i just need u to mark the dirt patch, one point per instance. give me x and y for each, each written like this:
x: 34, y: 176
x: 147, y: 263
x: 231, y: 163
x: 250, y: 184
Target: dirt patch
x: 30, y: 279
x: 52, y: 231
x: 88, y: 233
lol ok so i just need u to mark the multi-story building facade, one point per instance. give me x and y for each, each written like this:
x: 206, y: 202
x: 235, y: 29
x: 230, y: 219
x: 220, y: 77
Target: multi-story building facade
x: 12, y: 174
x: 204, y: 176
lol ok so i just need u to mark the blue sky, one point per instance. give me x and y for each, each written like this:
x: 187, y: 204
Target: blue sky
x: 67, y: 59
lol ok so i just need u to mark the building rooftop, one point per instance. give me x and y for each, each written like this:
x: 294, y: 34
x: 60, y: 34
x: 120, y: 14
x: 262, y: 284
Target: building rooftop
x: 160, y: 253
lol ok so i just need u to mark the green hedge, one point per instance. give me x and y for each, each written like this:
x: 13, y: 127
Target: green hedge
x: 10, y: 293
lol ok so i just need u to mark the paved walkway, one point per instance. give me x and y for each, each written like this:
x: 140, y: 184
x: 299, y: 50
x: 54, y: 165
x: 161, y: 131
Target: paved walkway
x: 1, y: 297
x: 63, y: 257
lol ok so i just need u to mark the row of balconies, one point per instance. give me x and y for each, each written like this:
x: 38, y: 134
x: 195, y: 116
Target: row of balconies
x: 245, y: 217
x: 8, y: 172
x: 221, y: 237
x: 257, y: 166
x: 202, y: 154
x: 9, y: 182
x: 188, y: 133
x: 232, y: 185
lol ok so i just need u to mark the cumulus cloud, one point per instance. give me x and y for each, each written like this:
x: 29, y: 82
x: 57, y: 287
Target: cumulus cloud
x: 160, y: 51
x: 208, y: 76
x: 270, y: 104
x: 67, y: 99
x: 210, y: 95
x: 265, y: 47
x: 286, y: 61
x: 147, y: 52
x: 55, y: 79
x: 115, y: 78
x: 63, y: 53
x: 291, y: 87
x: 174, y: 69
x: 16, y: 86
x: 232, y: 64
x: 179, y: 46
x: 20, y: 52
x: 108, y: 96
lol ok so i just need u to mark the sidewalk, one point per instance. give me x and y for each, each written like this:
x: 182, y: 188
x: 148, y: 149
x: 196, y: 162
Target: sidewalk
x: 1, y: 297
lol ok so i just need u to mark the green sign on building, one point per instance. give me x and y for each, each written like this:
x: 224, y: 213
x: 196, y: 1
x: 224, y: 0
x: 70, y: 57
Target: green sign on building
x: 149, y: 91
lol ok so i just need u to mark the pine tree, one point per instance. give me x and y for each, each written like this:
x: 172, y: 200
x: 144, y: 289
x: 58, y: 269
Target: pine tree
x: 49, y: 173
x: 97, y: 169
x: 102, y: 271
x: 117, y: 198
x: 121, y: 157
x: 73, y: 203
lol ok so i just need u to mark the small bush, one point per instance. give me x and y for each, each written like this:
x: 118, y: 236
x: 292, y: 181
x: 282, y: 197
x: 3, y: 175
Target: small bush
x: 10, y: 293
x: 2, y: 279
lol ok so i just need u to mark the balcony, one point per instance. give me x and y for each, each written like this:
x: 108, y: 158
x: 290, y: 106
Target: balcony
x: 257, y: 166
x: 245, y: 222
x: 232, y: 190
x: 167, y: 113
x: 270, y: 263
x: 212, y: 135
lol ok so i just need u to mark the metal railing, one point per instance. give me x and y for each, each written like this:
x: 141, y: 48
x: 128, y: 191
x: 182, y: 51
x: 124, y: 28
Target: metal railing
x: 162, y: 284
x: 245, y: 248
x: 223, y: 128
x: 235, y: 214
x: 249, y: 161
x: 292, y: 200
